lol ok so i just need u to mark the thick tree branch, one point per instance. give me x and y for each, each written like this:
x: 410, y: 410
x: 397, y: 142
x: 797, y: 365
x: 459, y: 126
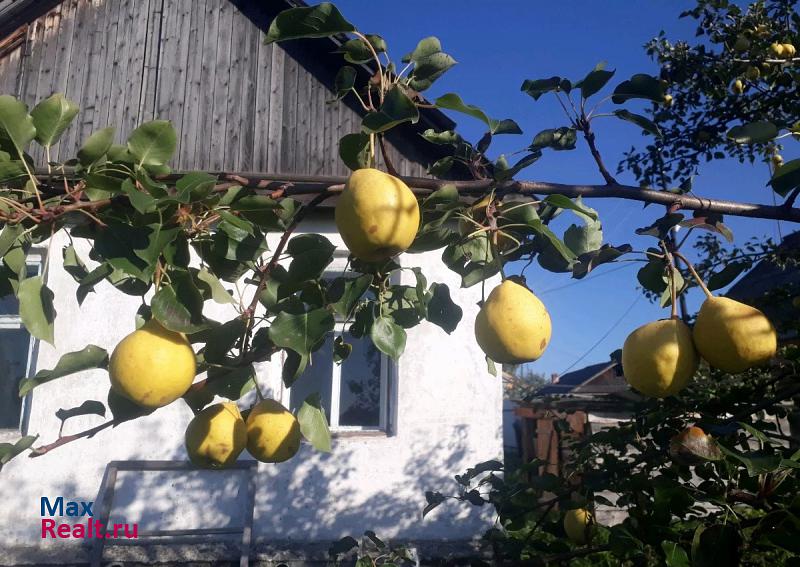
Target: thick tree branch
x: 313, y: 184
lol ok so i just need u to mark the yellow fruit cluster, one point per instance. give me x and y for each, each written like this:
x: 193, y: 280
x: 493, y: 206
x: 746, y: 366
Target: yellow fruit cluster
x: 783, y: 50
x: 660, y: 358
x: 154, y: 366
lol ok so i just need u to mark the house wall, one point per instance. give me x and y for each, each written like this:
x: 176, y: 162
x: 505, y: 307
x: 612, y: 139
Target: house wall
x: 238, y: 105
x: 448, y: 417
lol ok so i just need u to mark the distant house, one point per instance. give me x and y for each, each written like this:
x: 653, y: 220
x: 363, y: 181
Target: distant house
x: 773, y: 288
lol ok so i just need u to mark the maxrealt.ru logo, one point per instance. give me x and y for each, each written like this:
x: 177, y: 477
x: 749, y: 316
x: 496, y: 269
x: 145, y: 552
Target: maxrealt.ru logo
x: 86, y: 527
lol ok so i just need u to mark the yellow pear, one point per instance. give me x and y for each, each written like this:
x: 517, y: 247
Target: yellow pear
x: 733, y: 336
x: 377, y: 215
x: 659, y: 358
x: 513, y: 326
x: 152, y: 366
x: 777, y: 49
x: 737, y: 87
x: 579, y: 525
x: 668, y: 99
x: 273, y: 434
x: 216, y: 436
x: 789, y: 50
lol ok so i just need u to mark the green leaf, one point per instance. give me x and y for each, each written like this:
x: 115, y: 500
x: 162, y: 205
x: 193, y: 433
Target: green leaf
x: 96, y: 146
x: 89, y: 357
x: 442, y: 311
x: 342, y: 546
x: 590, y: 260
x: 140, y: 200
x: 446, y: 138
x: 51, y: 117
x: 345, y: 80
x: 36, y: 308
x: 357, y: 51
x: 218, y: 293
x: 302, y: 333
x: 230, y: 382
x: 563, y: 202
x: 716, y: 545
x: 674, y: 554
x: 313, y: 423
x: 153, y: 143
x: 178, y: 305
x: 725, y: 276
x: 73, y: 265
x: 9, y: 451
x: 388, y: 336
x: 786, y: 177
x: 644, y: 123
x: 323, y: 20
x: 536, y: 88
x: 354, y: 150
x: 195, y: 186
x: 16, y: 125
x: 396, y: 109
x: 451, y: 101
x: 472, y: 259
x: 11, y: 170
x: 430, y: 63
x: 558, y: 139
x: 639, y: 86
x: 595, y: 80
x: 753, y: 133
x: 342, y: 350
x: 89, y: 407
x: 344, y: 293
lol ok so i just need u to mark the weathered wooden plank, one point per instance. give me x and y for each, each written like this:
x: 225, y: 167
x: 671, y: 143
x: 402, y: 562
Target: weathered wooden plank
x: 128, y: 111
x: 193, y: 89
x: 222, y: 76
x: 31, y: 59
x: 331, y: 145
x: 44, y: 84
x: 173, y: 65
x: 89, y: 118
x: 231, y: 137
x: 77, y: 69
x: 276, y: 103
x: 151, y: 60
x: 305, y: 99
x: 251, y: 70
x: 106, y: 78
x: 261, y: 117
x: 203, y: 127
x: 10, y: 72
x: 289, y: 148
x: 63, y: 58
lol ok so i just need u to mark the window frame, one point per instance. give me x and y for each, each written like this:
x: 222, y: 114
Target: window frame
x: 388, y: 369
x: 14, y: 322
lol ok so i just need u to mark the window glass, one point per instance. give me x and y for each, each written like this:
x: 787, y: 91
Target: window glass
x: 14, y: 345
x: 360, y: 390
x: 315, y: 378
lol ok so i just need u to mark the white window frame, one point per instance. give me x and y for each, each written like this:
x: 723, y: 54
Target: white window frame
x: 336, y: 269
x: 14, y: 322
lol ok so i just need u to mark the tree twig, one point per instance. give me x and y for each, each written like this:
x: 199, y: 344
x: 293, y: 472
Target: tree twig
x: 44, y: 449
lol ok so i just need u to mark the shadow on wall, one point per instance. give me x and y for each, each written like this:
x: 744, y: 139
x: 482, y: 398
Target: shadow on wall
x: 315, y: 498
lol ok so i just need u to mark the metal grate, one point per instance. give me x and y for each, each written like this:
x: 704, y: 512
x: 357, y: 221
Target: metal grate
x: 197, y: 535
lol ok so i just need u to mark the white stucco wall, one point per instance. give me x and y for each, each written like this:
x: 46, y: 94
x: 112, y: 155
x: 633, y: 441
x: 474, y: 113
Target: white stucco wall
x: 448, y: 417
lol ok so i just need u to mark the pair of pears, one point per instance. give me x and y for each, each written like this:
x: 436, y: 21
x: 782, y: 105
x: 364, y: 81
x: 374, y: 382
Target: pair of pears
x: 154, y: 366
x: 218, y: 434
x: 660, y: 358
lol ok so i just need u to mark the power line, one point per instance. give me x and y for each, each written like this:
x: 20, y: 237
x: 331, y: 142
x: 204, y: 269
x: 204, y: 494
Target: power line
x: 592, y: 277
x: 605, y: 336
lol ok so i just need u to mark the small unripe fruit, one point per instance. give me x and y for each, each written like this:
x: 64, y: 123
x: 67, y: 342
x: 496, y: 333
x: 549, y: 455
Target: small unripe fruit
x: 752, y: 73
x: 777, y: 160
x: 777, y: 49
x: 668, y: 100
x: 741, y: 44
x: 737, y: 87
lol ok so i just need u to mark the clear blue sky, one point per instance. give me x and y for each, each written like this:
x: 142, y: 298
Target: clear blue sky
x: 500, y: 43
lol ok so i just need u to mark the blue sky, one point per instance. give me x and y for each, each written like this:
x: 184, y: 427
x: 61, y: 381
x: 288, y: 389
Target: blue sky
x: 498, y: 44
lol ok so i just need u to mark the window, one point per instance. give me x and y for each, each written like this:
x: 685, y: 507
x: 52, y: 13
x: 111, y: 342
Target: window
x: 355, y: 392
x: 16, y: 358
